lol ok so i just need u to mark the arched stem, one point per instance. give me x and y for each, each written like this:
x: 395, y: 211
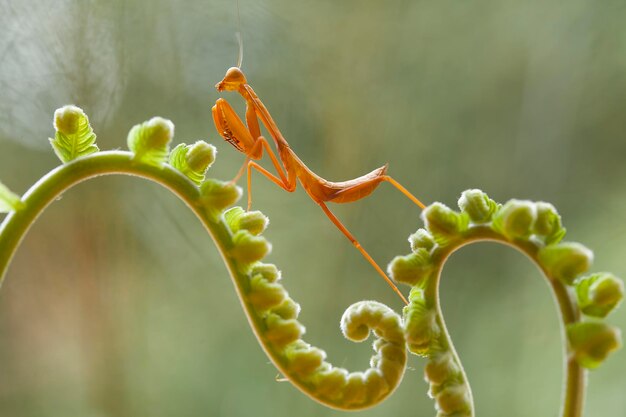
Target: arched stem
x: 574, y: 374
x: 59, y: 180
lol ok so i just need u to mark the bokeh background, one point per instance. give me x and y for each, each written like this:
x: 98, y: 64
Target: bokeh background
x: 117, y: 303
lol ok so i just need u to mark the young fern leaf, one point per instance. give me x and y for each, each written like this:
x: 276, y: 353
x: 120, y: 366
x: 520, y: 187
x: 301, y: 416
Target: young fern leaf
x: 193, y: 160
x: 150, y: 140
x: 9, y: 201
x: 74, y: 136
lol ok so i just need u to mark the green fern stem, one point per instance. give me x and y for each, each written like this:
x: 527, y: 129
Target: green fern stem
x: 51, y: 186
x: 574, y: 373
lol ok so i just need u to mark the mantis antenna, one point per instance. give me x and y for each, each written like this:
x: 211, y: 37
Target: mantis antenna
x: 239, y: 38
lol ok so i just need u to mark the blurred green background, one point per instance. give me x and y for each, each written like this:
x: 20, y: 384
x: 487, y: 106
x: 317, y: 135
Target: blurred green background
x: 117, y: 303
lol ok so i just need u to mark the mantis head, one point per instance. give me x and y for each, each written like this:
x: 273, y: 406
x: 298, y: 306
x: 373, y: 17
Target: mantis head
x: 233, y: 79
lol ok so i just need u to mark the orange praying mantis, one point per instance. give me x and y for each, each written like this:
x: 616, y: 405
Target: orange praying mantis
x: 249, y: 141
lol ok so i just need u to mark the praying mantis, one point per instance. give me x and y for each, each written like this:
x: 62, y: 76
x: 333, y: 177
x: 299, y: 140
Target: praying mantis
x: 248, y: 140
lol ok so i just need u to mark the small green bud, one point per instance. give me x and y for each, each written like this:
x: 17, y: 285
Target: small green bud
x: 591, y: 342
x: 149, y: 141
x: 217, y: 195
x: 391, y: 354
x: 420, y: 323
x: 67, y: 119
x: 253, y: 221
x: 248, y: 248
x: 599, y: 294
x: 304, y: 358
x: 565, y: 261
x: 515, y: 219
x: 441, y: 368
x: 289, y: 309
x: 74, y: 136
x: 453, y: 399
x: 9, y: 201
x: 548, y: 223
x: 391, y: 362
x: 479, y: 207
x: 416, y: 297
x: 421, y: 331
x: 354, y: 393
x: 264, y: 295
x: 444, y: 223
x: 421, y: 239
x: 331, y: 382
x: 201, y: 156
x: 376, y: 386
x: 281, y: 332
x: 413, y: 269
x: 268, y: 271
x: 193, y: 160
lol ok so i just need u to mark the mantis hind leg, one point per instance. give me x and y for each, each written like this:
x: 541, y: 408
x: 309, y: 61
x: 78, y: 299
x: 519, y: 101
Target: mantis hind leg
x: 404, y: 191
x: 358, y: 246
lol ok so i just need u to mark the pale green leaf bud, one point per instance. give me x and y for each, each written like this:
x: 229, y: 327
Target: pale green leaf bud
x: 264, y: 295
x: 248, y: 248
x: 479, y: 207
x: 201, y: 156
x: 420, y: 323
x: 441, y: 368
x: 331, y: 382
x: 281, y: 332
x: 548, y: 223
x: 269, y: 271
x: 515, y: 219
x: 354, y: 393
x: 444, y: 223
x: 67, y: 119
x: 74, y: 136
x: 591, y: 342
x: 253, y: 221
x: 217, y: 195
x: 599, y: 294
x: 375, y: 385
x: 565, y: 261
x: 391, y: 353
x: 193, y: 160
x: 417, y: 298
x: 421, y: 330
x: 421, y: 239
x: 413, y: 269
x: 304, y: 358
x: 149, y: 141
x: 453, y: 398
x: 288, y: 309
